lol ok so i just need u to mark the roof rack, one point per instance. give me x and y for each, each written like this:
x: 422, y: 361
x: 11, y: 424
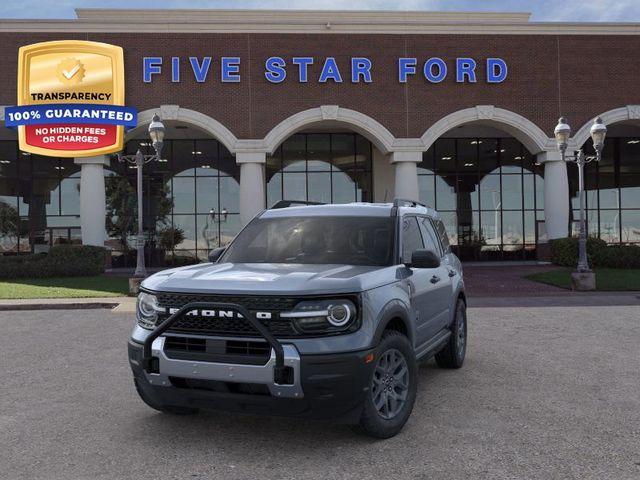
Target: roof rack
x: 290, y: 203
x: 401, y: 202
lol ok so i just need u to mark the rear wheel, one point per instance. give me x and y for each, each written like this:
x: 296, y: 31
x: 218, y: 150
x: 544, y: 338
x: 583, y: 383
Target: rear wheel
x: 163, y: 408
x: 392, y: 388
x: 452, y: 355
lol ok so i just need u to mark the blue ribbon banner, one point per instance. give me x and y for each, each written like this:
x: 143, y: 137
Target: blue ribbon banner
x: 70, y: 113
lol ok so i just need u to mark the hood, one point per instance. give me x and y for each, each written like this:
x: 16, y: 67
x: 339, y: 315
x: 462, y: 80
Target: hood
x: 270, y: 279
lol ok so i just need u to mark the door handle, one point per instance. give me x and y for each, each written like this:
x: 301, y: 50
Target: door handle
x: 452, y: 273
x: 435, y: 279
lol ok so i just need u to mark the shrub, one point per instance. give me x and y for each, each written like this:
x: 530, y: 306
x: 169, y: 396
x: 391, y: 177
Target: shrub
x: 564, y: 252
x: 61, y: 261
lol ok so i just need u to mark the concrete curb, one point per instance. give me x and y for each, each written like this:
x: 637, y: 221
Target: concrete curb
x: 12, y: 307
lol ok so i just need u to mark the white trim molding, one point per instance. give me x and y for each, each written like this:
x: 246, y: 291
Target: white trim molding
x: 374, y: 131
x: 200, y: 120
x: 622, y: 114
x: 382, y: 22
x: 531, y: 136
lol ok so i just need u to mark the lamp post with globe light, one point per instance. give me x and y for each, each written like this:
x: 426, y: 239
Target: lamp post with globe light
x: 583, y: 278
x: 156, y: 134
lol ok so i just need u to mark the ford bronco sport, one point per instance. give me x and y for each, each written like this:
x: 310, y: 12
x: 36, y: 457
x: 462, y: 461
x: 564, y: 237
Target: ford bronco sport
x: 321, y: 311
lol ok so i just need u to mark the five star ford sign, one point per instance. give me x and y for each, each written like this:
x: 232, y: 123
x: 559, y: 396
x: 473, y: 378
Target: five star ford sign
x: 70, y: 99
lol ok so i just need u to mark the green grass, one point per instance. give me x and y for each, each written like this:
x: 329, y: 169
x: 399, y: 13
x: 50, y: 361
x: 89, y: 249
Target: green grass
x: 607, y: 279
x: 69, y: 287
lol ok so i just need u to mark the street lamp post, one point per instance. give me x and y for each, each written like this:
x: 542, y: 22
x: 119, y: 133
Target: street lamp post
x: 156, y: 133
x: 562, y: 133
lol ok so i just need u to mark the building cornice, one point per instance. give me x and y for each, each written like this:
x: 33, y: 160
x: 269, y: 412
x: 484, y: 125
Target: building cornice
x: 318, y: 22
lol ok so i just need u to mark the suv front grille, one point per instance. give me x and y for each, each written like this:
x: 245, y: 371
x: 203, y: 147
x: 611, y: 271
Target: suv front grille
x: 234, y: 326
x: 196, y: 324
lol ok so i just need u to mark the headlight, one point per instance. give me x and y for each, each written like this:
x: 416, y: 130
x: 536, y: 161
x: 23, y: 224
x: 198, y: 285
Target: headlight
x: 147, y: 310
x: 323, y: 316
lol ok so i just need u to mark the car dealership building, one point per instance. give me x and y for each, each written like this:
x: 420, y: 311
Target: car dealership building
x: 456, y: 110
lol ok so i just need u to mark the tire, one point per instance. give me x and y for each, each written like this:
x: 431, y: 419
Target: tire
x: 452, y: 355
x: 173, y: 410
x: 388, y: 420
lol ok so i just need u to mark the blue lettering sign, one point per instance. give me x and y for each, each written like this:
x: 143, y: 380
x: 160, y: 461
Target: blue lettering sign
x: 230, y: 69
x: 360, y: 67
x: 275, y: 69
x: 428, y: 70
x: 175, y: 69
x: 496, y: 70
x: 330, y: 71
x: 406, y: 66
x: 200, y: 71
x: 303, y: 65
x: 151, y: 66
x: 465, y: 67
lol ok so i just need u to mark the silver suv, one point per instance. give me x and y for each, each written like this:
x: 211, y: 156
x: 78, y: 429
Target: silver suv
x: 321, y: 311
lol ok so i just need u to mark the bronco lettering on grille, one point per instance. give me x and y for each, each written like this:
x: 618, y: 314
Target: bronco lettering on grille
x: 220, y: 313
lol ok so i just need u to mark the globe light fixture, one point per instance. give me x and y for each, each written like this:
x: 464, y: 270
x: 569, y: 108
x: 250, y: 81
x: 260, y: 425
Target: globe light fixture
x: 156, y: 134
x: 583, y: 278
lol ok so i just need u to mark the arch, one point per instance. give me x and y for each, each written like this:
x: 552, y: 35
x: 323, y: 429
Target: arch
x: 382, y: 138
x: 197, y: 119
x: 527, y: 132
x: 622, y: 114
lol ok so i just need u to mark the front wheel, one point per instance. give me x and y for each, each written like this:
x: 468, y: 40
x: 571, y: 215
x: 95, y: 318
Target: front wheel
x: 452, y: 355
x: 392, y: 388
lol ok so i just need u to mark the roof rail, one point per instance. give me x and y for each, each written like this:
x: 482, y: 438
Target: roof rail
x: 401, y: 202
x: 290, y: 203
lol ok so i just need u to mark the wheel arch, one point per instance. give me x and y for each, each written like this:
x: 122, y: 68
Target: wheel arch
x: 394, y: 316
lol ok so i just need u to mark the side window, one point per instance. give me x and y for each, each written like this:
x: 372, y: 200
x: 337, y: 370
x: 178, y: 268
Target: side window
x: 429, y: 236
x: 411, y: 238
x: 442, y: 234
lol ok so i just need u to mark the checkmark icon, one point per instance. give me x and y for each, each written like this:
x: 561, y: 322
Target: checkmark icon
x: 71, y: 73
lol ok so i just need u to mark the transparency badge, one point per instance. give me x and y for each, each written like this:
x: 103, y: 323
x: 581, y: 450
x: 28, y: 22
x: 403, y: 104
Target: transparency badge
x: 70, y: 99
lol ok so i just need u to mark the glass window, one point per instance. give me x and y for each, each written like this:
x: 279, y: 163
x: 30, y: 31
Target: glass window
x: 443, y: 234
x: 318, y: 153
x: 183, y: 190
x: 426, y: 189
x: 512, y: 192
x: 411, y: 238
x: 342, y: 188
x: 320, y: 167
x: 317, y: 240
x: 294, y: 154
x: 207, y: 195
x: 320, y: 187
x: 429, y: 237
x: 631, y: 226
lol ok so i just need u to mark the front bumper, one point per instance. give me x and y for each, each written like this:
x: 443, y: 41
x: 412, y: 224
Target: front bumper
x: 329, y: 386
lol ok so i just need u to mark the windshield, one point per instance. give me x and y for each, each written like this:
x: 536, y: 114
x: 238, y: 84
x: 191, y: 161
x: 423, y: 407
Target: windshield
x: 314, y: 240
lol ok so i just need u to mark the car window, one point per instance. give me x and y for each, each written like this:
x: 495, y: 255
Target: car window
x: 429, y: 236
x: 315, y: 240
x: 411, y: 238
x: 442, y: 234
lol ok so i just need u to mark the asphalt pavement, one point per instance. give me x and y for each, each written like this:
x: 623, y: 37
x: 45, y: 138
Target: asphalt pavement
x: 546, y: 392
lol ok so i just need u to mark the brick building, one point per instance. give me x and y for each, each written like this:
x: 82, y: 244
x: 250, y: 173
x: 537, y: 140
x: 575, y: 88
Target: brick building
x: 453, y: 109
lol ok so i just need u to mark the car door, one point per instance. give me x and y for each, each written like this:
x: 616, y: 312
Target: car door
x: 443, y: 288
x: 420, y: 281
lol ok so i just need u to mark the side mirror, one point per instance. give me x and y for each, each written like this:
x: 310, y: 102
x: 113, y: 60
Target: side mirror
x: 424, y: 259
x: 216, y: 253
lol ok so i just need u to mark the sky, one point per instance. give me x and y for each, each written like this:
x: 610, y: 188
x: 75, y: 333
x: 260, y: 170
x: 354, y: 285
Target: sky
x: 542, y: 10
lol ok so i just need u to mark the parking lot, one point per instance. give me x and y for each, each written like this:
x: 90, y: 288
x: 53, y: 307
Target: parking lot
x: 550, y: 392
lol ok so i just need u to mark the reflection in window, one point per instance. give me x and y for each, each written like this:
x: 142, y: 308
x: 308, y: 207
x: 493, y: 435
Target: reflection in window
x: 489, y: 192
x: 612, y: 191
x: 199, y: 180
x: 320, y: 167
